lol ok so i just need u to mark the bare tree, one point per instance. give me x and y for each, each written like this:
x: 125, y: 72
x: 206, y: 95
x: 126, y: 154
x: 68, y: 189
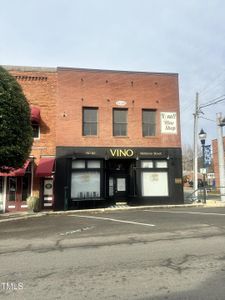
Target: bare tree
x: 187, y: 157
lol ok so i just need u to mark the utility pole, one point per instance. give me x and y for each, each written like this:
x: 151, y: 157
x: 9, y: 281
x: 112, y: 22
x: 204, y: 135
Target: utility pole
x: 195, y: 160
x: 220, y: 124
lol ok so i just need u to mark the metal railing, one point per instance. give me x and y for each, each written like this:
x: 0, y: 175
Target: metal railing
x: 204, y: 194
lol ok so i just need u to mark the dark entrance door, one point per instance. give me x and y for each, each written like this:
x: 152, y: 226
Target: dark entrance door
x: 118, y: 187
x: 118, y: 179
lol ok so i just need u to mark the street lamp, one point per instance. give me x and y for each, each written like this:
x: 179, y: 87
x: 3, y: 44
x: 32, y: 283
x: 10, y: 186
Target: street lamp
x: 202, y: 136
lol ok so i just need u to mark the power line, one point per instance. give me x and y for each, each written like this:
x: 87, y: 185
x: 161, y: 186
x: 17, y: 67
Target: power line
x: 207, y: 119
x: 213, y: 101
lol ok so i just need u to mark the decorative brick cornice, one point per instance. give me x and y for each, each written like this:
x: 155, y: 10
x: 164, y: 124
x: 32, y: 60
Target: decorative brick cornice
x: 31, y: 78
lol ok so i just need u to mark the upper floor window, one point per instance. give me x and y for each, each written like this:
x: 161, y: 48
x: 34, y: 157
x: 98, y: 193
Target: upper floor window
x: 148, y: 122
x: 119, y: 122
x: 90, y: 121
x: 36, y: 130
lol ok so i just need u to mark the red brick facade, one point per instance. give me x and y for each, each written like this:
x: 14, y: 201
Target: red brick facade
x: 40, y: 88
x: 92, y: 88
x: 215, y: 160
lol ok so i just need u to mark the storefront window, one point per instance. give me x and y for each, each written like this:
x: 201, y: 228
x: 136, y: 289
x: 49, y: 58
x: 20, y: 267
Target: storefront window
x: 85, y: 184
x: 1, y: 193
x: 147, y: 164
x: 12, y: 188
x: 111, y: 186
x: 154, y: 183
x: 93, y: 164
x: 161, y: 164
x: 88, y: 164
x: 78, y: 164
x: 26, y: 186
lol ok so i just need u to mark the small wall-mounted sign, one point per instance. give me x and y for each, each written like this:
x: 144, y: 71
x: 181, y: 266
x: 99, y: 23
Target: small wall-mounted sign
x: 203, y: 170
x: 178, y: 180
x: 169, y: 122
x: 152, y: 154
x: 121, y: 103
x: 48, y: 186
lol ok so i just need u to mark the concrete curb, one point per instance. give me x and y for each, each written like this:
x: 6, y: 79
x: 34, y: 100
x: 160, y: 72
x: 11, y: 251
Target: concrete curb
x: 26, y: 215
x: 17, y: 217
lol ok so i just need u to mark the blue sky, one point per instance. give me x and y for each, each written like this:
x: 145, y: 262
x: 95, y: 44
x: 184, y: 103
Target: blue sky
x: 183, y: 36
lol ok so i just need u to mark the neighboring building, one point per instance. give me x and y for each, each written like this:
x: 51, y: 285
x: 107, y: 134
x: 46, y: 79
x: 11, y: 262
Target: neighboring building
x: 39, y: 86
x: 115, y: 135
x: 215, y: 160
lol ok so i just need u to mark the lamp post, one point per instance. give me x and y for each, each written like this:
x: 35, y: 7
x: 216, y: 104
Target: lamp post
x: 202, y: 136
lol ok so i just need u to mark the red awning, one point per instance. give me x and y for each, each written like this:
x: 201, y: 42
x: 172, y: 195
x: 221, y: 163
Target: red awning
x: 35, y: 114
x: 45, y: 167
x: 17, y: 172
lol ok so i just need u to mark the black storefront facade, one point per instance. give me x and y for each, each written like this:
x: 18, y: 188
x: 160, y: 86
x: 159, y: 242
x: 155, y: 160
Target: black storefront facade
x: 94, y: 175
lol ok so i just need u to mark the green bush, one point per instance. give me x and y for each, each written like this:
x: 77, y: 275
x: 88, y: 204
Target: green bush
x: 15, y: 125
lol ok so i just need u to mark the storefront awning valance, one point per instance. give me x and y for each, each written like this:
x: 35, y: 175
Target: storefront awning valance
x: 35, y: 114
x: 17, y: 172
x: 45, y: 167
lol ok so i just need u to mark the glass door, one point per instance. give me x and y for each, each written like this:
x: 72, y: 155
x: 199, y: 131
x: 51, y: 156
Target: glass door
x: 11, y: 193
x: 1, y: 193
x: 118, y: 187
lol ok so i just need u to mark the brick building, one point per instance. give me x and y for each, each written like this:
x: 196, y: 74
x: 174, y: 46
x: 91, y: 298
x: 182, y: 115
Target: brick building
x: 39, y: 86
x: 215, y: 160
x: 115, y: 136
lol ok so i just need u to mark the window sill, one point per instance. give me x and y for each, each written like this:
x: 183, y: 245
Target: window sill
x: 90, y: 136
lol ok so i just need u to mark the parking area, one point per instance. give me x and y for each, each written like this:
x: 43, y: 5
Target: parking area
x: 113, y: 223
x: 119, y: 254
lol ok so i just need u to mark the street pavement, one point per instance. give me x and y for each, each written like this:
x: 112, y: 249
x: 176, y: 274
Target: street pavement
x: 147, y: 253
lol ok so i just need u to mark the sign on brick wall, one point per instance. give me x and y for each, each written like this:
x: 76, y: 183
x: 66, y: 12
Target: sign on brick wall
x: 169, y: 122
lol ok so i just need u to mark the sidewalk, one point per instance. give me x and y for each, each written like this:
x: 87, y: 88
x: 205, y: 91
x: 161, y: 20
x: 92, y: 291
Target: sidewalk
x: 14, y: 216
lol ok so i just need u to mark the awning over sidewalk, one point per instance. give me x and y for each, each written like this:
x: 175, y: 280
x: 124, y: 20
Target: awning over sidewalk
x: 18, y: 172
x: 35, y: 114
x: 45, y: 167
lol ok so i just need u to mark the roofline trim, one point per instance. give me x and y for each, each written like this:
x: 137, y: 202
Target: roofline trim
x: 114, y: 71
x: 29, y: 69
x: 55, y: 69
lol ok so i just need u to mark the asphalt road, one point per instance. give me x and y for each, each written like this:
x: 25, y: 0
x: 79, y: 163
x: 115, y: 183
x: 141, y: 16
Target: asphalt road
x: 136, y: 254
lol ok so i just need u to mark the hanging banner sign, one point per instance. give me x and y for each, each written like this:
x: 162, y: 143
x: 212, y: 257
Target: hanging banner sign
x: 168, y: 122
